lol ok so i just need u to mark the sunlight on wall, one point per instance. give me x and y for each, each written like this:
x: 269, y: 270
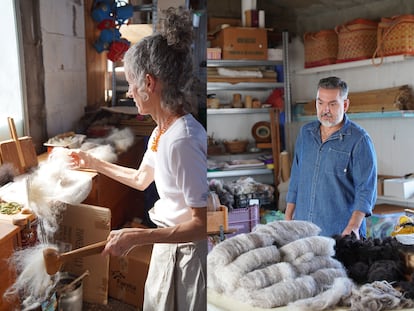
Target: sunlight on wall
x: 11, y: 103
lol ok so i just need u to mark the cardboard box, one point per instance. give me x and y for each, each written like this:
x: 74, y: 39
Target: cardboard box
x: 127, y: 275
x: 215, y: 23
x: 83, y: 225
x: 399, y: 187
x: 380, y: 183
x: 242, y: 43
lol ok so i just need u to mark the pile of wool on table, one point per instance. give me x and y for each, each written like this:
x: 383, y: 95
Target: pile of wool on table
x: 284, y: 263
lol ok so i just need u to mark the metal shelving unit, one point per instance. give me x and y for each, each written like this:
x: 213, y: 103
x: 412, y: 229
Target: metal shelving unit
x: 245, y: 86
x: 240, y: 172
x: 221, y: 111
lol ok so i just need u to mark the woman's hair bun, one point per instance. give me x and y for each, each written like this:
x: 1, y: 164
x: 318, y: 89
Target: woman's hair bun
x: 177, y: 28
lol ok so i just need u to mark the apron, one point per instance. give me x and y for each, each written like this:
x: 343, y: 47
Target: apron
x: 176, y: 278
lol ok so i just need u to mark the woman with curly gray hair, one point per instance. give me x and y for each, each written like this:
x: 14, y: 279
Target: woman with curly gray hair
x: 159, y: 71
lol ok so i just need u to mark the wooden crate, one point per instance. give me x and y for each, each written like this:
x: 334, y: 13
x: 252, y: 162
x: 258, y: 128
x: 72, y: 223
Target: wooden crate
x: 217, y: 219
x: 389, y: 99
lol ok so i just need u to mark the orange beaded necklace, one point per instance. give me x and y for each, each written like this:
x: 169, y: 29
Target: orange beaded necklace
x: 155, y: 141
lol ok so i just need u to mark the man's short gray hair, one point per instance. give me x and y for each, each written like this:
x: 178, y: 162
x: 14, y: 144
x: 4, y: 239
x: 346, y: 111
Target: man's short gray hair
x: 334, y: 83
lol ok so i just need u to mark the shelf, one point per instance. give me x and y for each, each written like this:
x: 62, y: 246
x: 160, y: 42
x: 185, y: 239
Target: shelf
x: 360, y: 63
x: 367, y: 115
x: 242, y: 63
x: 242, y: 172
x: 395, y: 201
x: 221, y: 111
x: 235, y: 80
x: 211, y: 86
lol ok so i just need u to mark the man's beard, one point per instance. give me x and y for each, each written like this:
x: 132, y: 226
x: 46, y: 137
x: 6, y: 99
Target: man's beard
x: 328, y: 123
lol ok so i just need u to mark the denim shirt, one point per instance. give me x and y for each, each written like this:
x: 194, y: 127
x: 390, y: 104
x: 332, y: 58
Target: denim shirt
x: 331, y: 180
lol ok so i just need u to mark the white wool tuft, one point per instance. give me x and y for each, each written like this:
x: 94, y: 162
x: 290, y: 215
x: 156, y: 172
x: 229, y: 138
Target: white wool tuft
x: 33, y: 285
x: 54, y: 183
x: 104, y: 152
x: 121, y: 139
x: 54, y: 180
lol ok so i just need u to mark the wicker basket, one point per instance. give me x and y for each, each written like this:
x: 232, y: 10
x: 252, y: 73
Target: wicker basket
x: 321, y: 48
x: 395, y: 36
x: 236, y: 146
x: 357, y: 40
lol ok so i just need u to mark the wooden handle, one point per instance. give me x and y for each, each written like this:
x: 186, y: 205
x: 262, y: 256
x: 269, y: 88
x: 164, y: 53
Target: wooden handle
x: 14, y: 136
x: 91, y: 249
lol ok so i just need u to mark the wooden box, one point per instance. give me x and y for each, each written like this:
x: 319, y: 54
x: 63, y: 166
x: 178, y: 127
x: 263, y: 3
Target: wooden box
x: 242, y: 43
x: 217, y: 219
x: 9, y: 241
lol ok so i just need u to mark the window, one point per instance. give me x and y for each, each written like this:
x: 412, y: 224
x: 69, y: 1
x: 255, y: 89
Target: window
x: 11, y: 88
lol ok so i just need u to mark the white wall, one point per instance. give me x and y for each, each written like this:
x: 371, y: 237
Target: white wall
x: 63, y: 33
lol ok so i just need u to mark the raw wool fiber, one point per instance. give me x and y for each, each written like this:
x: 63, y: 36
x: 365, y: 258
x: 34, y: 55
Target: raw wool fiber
x: 247, y: 262
x: 33, y: 285
x: 370, y: 259
x: 284, y: 232
x: 103, y: 152
x: 52, y: 184
x: 121, y: 139
x: 50, y: 187
x: 317, y: 245
x: 269, y: 275
x: 376, y: 296
x: 327, y: 300
x: 107, y: 148
x: 226, y: 251
x: 315, y: 263
x: 274, y: 283
x: 282, y: 293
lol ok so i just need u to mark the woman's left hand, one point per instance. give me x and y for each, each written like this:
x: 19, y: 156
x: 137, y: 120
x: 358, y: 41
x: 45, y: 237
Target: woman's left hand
x: 81, y: 159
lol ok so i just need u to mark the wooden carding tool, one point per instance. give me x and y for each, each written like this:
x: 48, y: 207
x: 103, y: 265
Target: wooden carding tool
x: 20, y: 152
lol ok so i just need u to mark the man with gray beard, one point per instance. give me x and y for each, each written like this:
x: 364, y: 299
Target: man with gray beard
x: 334, y: 170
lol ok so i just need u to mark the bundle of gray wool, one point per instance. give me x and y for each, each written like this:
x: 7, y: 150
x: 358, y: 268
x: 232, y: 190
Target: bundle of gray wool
x: 287, y: 263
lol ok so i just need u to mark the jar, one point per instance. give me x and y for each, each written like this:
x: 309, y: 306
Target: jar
x: 237, y: 102
x: 248, y: 101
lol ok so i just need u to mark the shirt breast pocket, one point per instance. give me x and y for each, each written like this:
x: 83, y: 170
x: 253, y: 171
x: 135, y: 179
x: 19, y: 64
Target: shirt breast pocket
x: 337, y: 162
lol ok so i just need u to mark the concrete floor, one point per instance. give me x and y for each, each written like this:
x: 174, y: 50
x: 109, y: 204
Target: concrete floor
x: 113, y: 305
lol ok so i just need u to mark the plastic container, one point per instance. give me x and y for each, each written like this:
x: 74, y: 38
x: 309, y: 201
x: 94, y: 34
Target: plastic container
x: 243, y: 219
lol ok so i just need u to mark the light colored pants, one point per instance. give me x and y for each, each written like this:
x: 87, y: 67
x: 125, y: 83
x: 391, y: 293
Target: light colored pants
x: 177, y: 278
